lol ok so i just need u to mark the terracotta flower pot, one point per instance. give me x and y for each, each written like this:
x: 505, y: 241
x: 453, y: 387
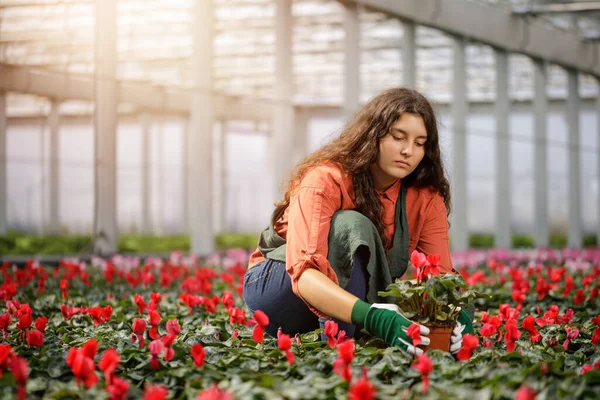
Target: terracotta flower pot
x: 440, y: 337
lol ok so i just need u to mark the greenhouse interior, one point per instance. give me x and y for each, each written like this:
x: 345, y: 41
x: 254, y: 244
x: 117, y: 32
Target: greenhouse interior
x: 146, y: 147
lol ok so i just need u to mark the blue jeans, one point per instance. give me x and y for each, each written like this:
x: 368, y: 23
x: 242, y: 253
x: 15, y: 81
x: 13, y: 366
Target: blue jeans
x: 268, y: 287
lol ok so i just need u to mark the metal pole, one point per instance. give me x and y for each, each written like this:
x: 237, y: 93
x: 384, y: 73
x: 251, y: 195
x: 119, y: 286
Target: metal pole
x: 54, y: 122
x: 351, y: 59
x: 575, y: 238
x: 503, y: 189
x: 3, y: 162
x: 409, y: 55
x: 540, y: 109
x: 105, y: 135
x: 459, y: 227
x: 146, y: 191
x: 283, y: 117
x: 201, y: 131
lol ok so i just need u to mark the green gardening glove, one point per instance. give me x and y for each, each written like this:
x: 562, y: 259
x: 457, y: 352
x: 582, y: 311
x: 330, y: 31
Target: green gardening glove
x: 386, y: 322
x: 464, y: 324
x: 466, y: 321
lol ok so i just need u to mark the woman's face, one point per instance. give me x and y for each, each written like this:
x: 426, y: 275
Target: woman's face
x: 401, y: 151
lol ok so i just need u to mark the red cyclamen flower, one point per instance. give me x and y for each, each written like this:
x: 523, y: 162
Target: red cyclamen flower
x: 511, y: 334
x: 525, y: 393
x: 64, y: 286
x: 139, y: 301
x: 362, y: 389
x: 81, y: 362
x: 156, y: 347
x: 341, y: 365
x: 434, y: 263
x: 470, y: 342
x: 118, y: 389
x: 331, y: 330
x: 168, y: 342
x: 572, y: 333
x: 262, y: 321
x: 198, y: 354
x: 20, y: 370
x: 156, y: 392
x: 424, y: 366
x: 154, y: 321
x: 227, y: 299
x: 109, y: 363
x: 40, y: 323
x: 5, y: 351
x: 214, y: 393
x: 173, y: 327
x: 139, y: 327
x: 528, y: 324
x: 35, y: 338
x: 414, y: 332
x: 284, y: 342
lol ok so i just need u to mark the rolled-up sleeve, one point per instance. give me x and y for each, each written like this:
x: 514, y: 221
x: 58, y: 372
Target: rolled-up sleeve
x: 434, y: 235
x: 309, y: 220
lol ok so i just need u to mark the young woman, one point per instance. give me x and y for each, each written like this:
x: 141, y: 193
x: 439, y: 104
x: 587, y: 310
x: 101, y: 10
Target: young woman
x: 353, y: 212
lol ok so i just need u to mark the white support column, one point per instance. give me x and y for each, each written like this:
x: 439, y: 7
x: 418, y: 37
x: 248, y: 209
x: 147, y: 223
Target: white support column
x: 597, y: 164
x: 201, y: 131
x: 283, y: 111
x: 301, y: 133
x: 159, y: 220
x: 54, y: 123
x: 146, y: 156
x: 540, y: 110
x: 503, y: 189
x: 223, y: 178
x: 185, y: 176
x: 3, y: 154
x: 409, y: 55
x: 351, y: 59
x: 459, y: 228
x: 105, y: 133
x: 575, y: 237
x: 43, y: 187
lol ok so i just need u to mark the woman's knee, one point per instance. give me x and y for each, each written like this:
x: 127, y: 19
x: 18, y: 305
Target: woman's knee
x: 349, y: 218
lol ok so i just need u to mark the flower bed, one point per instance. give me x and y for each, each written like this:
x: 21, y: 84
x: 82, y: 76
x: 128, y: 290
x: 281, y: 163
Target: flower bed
x: 177, y: 329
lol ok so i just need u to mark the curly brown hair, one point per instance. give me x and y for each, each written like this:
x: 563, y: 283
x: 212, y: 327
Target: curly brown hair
x: 357, y: 148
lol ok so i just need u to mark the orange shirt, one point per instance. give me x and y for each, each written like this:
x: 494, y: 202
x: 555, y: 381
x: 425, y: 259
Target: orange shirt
x: 326, y: 189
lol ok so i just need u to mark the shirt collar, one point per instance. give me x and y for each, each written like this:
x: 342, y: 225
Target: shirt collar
x: 392, y: 192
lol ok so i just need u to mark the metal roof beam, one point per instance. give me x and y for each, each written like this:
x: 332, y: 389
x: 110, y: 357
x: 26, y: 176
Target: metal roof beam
x: 61, y: 86
x: 552, y: 8
x: 498, y: 28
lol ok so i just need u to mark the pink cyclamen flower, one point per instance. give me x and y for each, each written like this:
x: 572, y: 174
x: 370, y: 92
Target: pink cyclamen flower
x: 173, y: 327
x: 156, y: 347
x: 572, y: 333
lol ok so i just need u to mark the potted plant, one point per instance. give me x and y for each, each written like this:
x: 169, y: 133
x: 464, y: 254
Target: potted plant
x: 432, y: 299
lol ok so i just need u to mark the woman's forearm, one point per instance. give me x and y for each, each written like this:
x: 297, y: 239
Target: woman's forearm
x: 325, y: 295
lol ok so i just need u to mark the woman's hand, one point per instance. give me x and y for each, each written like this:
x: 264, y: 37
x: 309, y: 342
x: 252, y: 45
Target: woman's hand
x: 387, y: 323
x: 463, y: 324
x: 456, y: 339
